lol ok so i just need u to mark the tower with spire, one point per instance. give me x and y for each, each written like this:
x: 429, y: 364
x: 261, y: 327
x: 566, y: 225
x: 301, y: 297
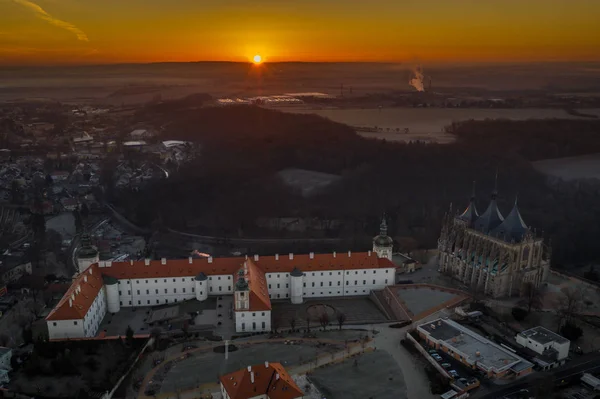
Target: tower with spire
x: 87, y: 253
x: 382, y: 243
x: 490, y: 253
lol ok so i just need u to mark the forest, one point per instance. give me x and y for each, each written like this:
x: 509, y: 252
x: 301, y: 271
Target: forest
x: 233, y: 183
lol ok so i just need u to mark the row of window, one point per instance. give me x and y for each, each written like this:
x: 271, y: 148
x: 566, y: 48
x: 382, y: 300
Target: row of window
x: 338, y: 283
x: 253, y: 326
x: 174, y: 290
x: 165, y: 280
x: 286, y: 286
x: 254, y: 314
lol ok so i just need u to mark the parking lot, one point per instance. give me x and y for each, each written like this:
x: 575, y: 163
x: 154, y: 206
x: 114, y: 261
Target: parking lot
x: 455, y: 368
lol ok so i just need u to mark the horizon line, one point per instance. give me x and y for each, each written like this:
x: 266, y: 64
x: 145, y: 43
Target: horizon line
x: 410, y: 63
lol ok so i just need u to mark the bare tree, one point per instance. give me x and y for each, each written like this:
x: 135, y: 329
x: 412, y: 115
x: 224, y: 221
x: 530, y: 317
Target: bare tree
x: 341, y: 319
x: 307, y: 322
x: 293, y: 322
x: 569, y: 304
x: 532, y: 297
x: 275, y: 324
x: 324, y: 320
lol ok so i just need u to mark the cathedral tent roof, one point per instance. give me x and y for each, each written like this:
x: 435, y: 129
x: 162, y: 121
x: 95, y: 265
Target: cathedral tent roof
x: 491, y: 218
x: 513, y: 228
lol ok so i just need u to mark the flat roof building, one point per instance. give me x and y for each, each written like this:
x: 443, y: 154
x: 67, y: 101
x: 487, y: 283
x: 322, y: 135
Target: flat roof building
x: 552, y: 348
x: 472, y: 349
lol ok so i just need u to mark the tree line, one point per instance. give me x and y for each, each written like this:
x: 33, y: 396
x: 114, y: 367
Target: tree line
x: 234, y: 182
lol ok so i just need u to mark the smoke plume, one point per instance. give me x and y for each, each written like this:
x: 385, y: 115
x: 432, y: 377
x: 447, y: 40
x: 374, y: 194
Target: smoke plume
x: 42, y: 14
x: 418, y: 80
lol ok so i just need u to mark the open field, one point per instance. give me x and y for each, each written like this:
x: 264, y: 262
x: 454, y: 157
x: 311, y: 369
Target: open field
x: 427, y: 124
x: 374, y: 375
x: 571, y: 168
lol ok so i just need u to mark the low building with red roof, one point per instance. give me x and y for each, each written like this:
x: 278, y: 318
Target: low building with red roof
x: 268, y: 381
x: 106, y: 286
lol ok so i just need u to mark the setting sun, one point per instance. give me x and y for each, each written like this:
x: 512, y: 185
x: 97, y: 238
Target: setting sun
x: 257, y: 59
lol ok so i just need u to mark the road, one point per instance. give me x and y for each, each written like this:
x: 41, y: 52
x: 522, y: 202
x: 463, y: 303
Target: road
x: 561, y: 375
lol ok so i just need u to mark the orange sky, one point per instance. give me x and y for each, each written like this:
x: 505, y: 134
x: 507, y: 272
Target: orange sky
x: 110, y: 31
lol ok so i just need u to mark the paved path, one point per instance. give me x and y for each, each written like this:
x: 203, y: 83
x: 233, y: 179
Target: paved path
x: 213, y: 387
x: 388, y: 339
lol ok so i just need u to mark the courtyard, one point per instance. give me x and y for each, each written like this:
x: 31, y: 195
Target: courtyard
x: 204, y: 315
x: 357, y: 310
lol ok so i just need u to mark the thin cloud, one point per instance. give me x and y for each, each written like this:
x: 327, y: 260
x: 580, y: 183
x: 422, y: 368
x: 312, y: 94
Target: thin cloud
x: 40, y: 13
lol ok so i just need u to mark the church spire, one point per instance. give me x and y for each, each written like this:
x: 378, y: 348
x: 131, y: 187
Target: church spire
x: 470, y: 214
x: 383, y: 227
x: 495, y: 191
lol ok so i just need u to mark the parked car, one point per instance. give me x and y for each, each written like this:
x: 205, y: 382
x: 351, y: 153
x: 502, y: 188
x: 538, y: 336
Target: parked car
x: 447, y: 366
x: 453, y: 373
x: 463, y: 381
x: 436, y: 357
x: 432, y: 351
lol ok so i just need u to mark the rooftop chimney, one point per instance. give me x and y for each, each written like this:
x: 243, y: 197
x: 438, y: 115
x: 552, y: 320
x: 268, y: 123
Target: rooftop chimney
x: 349, y: 253
x: 369, y: 253
x: 190, y: 260
x: 70, y: 303
x: 276, y: 256
x: 267, y: 364
x: 311, y: 255
x: 256, y: 258
x: 249, y: 368
x: 334, y: 254
x: 252, y: 377
x: 163, y: 261
x: 277, y: 377
x: 147, y: 262
x: 85, y: 279
x: 91, y: 270
x: 131, y: 262
x: 291, y: 256
x: 210, y: 259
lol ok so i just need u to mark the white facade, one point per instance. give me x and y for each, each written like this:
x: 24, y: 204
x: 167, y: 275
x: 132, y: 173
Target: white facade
x: 112, y: 297
x: 296, y: 288
x: 331, y: 283
x: 545, y: 342
x: 83, y: 262
x: 168, y: 290
x: 295, y: 285
x: 253, y: 321
x: 80, y: 328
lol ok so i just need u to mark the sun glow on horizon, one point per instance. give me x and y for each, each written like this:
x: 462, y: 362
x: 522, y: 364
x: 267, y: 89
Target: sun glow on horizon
x: 257, y: 59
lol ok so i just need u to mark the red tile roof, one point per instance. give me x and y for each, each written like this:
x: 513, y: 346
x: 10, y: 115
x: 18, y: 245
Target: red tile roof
x: 271, y: 379
x: 172, y: 268
x: 257, y: 285
x: 79, y: 298
x: 259, y: 296
x: 318, y: 262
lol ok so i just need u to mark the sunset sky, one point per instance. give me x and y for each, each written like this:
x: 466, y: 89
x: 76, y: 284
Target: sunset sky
x: 110, y: 31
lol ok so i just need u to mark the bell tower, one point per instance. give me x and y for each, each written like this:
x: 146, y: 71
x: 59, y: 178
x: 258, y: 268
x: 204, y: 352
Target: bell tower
x: 382, y: 243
